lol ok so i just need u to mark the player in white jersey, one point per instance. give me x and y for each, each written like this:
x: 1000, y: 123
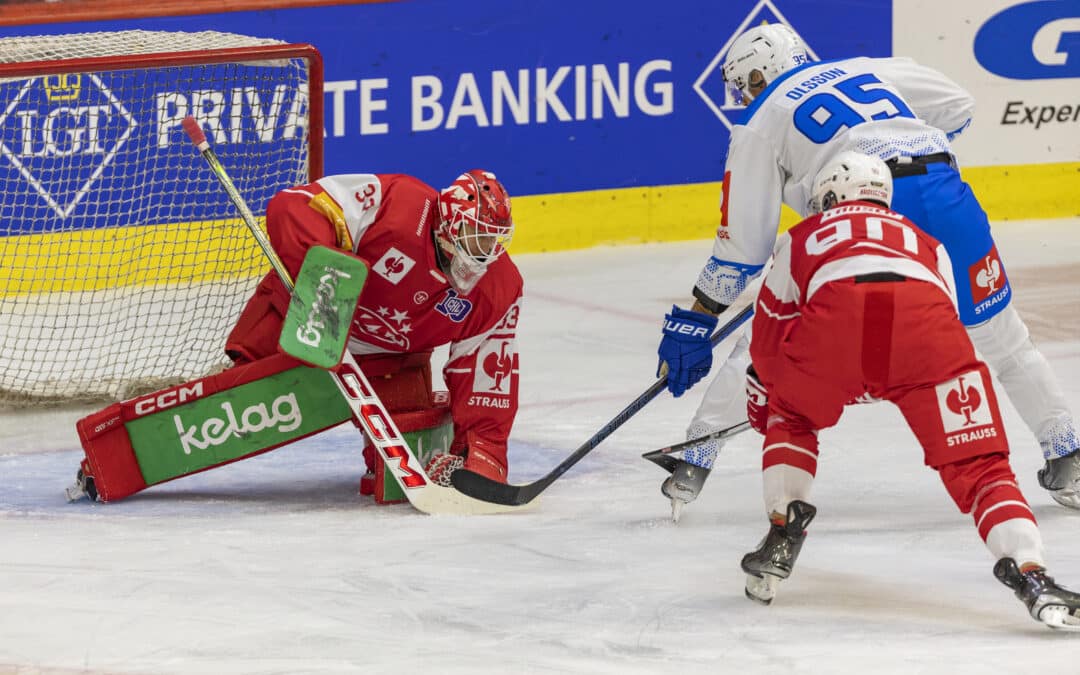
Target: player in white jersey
x: 799, y: 115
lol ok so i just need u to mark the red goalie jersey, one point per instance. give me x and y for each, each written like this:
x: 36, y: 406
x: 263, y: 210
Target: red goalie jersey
x: 408, y: 304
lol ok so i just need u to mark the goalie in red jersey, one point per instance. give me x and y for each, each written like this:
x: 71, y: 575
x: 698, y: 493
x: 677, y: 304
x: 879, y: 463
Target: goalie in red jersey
x: 858, y: 306
x: 438, y: 274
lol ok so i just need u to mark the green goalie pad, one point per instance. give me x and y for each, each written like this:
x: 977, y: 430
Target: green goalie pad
x: 316, y: 327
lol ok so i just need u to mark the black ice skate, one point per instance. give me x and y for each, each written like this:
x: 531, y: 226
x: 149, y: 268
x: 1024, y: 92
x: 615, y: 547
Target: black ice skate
x: 683, y: 485
x: 775, y: 557
x: 1061, y: 476
x: 83, y: 487
x: 1047, y: 602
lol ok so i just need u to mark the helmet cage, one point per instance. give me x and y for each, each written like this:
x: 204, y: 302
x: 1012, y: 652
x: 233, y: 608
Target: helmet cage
x: 475, y: 226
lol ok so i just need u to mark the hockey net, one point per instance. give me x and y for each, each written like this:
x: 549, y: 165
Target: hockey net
x: 123, y: 264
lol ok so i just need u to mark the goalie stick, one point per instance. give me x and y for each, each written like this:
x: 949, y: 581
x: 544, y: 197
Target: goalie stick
x: 481, y: 487
x: 663, y: 458
x: 366, y: 407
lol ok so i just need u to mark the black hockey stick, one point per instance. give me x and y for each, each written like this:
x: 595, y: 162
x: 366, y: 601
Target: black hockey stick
x: 485, y: 489
x: 663, y: 458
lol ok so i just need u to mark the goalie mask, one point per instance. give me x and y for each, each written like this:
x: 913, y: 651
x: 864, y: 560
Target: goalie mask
x: 770, y: 50
x: 474, y: 226
x: 851, y: 176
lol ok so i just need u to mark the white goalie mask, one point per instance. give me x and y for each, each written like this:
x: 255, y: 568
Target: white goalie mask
x: 851, y: 176
x: 770, y: 49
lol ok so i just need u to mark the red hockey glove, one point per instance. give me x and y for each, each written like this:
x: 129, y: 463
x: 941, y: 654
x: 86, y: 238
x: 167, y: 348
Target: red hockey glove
x: 757, y: 401
x: 481, y: 457
x: 486, y: 459
x: 440, y: 466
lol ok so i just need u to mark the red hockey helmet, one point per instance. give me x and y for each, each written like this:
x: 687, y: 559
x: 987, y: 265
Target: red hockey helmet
x: 474, y: 225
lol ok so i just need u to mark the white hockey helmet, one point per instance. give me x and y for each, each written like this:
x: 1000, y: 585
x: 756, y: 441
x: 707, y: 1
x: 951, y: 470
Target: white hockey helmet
x: 851, y: 176
x: 770, y: 49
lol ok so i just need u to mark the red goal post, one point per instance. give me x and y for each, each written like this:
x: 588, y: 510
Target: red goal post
x: 122, y: 266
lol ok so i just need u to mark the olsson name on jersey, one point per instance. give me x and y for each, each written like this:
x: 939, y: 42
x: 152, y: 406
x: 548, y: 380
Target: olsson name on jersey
x: 808, y: 85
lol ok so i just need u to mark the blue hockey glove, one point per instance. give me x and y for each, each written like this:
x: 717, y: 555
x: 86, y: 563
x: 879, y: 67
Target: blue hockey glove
x: 685, y: 348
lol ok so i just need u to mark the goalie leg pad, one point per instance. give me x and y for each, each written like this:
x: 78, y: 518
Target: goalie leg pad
x: 241, y: 412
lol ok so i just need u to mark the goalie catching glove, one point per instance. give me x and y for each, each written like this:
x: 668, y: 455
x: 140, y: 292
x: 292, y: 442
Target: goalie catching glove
x: 685, y: 348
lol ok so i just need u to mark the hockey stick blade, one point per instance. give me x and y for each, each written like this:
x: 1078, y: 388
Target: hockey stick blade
x: 367, y: 409
x: 488, y: 490
x: 663, y: 458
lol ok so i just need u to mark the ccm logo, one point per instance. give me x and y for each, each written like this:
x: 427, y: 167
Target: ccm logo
x: 168, y: 399
x: 686, y: 329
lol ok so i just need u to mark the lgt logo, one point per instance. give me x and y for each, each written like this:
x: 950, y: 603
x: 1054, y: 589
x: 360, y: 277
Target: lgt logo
x: 62, y: 118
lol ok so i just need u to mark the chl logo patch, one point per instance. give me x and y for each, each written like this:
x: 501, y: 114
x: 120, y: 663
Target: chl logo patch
x: 393, y: 265
x: 453, y: 307
x: 963, y: 403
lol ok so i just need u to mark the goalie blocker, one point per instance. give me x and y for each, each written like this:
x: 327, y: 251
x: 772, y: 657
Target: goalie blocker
x: 248, y: 410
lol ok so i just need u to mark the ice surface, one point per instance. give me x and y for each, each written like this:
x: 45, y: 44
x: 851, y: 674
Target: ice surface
x: 275, y: 565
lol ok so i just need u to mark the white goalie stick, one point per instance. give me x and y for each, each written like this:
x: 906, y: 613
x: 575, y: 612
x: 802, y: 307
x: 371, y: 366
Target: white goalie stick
x: 366, y: 407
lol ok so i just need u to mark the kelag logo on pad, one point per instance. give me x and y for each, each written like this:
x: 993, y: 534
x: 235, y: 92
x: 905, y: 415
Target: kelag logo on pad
x: 1032, y: 41
x: 710, y: 84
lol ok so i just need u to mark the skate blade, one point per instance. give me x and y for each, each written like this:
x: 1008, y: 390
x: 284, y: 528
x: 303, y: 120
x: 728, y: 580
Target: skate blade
x: 676, y: 510
x: 1059, y: 618
x: 75, y: 493
x: 761, y: 589
x: 1070, y: 500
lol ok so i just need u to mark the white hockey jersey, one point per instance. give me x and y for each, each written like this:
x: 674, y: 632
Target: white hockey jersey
x: 888, y: 107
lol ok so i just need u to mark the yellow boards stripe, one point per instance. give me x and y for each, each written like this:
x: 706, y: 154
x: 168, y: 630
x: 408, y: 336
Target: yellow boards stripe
x: 206, y: 251
x: 128, y: 256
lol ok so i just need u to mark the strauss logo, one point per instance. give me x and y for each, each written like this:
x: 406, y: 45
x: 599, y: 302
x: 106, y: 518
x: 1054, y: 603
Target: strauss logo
x: 394, y: 266
x: 964, y: 401
x: 989, y: 275
x: 499, y: 366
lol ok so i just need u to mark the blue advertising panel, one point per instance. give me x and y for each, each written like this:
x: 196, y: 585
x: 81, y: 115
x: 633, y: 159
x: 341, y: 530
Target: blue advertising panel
x: 559, y: 96
x: 99, y: 149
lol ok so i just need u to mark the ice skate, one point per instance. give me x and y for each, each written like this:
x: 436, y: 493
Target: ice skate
x: 683, y: 485
x: 1047, y: 602
x: 774, y: 559
x: 83, y: 487
x: 1061, y: 477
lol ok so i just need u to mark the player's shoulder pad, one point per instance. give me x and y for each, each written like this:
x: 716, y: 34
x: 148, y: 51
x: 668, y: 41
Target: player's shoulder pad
x: 406, y: 184
x: 500, y: 287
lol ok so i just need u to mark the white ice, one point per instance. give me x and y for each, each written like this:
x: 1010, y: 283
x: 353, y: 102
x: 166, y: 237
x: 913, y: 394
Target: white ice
x: 276, y: 565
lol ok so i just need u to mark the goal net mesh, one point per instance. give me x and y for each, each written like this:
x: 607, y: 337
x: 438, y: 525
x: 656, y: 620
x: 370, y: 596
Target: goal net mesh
x: 123, y: 265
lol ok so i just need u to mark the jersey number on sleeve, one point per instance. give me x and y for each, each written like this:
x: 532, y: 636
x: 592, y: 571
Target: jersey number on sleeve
x: 823, y: 115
